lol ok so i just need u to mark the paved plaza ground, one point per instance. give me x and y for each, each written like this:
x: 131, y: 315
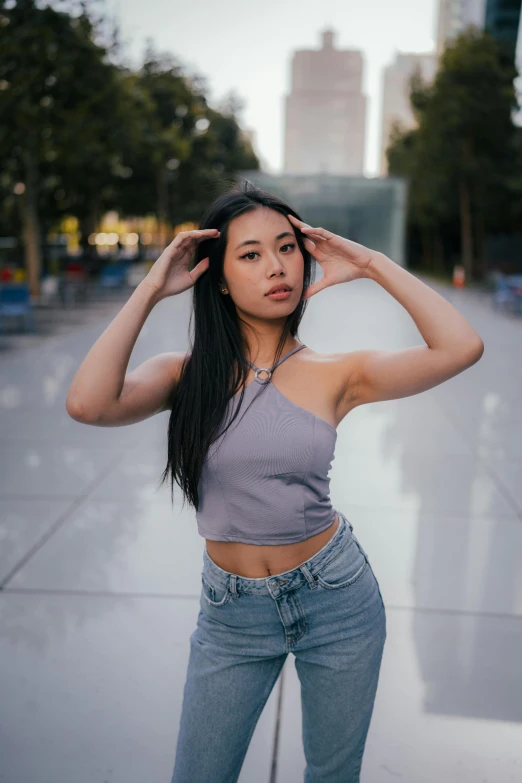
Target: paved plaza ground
x: 100, y: 576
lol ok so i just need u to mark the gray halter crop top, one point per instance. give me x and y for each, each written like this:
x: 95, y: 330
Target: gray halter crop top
x: 265, y: 480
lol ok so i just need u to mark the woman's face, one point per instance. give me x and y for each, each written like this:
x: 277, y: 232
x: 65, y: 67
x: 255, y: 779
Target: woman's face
x: 262, y: 251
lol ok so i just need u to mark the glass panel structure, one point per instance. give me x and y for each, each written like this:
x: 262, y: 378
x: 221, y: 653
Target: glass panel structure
x: 371, y: 211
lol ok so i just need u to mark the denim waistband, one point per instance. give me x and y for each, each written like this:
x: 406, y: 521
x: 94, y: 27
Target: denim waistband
x: 286, y: 579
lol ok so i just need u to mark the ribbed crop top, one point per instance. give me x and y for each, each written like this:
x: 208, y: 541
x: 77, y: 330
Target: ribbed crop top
x: 265, y: 480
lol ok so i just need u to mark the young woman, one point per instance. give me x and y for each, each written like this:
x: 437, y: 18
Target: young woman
x: 251, y: 439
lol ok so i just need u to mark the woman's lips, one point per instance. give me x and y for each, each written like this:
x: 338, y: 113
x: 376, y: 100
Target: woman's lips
x: 279, y: 295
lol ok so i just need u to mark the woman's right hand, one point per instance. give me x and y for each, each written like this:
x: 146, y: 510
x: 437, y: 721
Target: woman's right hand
x: 169, y: 275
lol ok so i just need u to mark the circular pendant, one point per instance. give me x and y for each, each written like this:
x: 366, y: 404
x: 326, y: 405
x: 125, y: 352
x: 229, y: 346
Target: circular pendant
x: 263, y: 369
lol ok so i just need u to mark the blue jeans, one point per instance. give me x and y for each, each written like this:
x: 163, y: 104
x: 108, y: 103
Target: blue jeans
x: 329, y: 613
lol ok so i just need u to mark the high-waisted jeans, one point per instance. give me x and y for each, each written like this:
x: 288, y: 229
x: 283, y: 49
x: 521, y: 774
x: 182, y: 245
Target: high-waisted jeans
x: 328, y: 611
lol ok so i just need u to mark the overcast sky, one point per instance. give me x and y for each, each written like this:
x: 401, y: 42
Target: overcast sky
x: 247, y: 45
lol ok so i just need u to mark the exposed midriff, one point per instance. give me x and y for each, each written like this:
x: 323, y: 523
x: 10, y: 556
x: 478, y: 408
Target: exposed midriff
x: 255, y: 561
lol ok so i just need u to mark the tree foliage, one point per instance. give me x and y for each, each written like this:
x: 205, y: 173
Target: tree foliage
x: 81, y: 133
x: 459, y: 161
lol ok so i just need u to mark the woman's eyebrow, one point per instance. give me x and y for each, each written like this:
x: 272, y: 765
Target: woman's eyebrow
x: 257, y: 242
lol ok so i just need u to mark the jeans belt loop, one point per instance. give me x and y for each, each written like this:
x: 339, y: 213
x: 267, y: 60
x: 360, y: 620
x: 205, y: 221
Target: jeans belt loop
x: 308, y: 576
x: 233, y: 585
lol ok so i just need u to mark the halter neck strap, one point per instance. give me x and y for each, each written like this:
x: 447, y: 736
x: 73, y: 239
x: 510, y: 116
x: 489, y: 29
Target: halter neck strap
x: 270, y: 370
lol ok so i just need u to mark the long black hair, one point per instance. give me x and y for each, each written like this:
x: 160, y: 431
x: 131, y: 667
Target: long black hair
x: 216, y: 367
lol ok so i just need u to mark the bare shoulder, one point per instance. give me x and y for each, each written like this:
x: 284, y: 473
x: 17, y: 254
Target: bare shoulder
x: 369, y: 375
x: 169, y: 366
x: 337, y: 375
x: 166, y: 366
x: 175, y: 361
x: 347, y: 375
x: 146, y: 391
x: 148, y: 388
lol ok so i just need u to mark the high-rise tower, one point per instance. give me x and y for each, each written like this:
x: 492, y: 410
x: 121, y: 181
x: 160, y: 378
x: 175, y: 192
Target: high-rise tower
x: 325, y: 118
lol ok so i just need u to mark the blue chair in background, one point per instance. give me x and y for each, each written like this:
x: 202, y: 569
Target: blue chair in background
x: 113, y: 276
x: 15, y: 302
x: 504, y: 297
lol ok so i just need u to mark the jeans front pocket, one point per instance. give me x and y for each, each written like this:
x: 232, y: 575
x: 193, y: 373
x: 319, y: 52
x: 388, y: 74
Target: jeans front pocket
x: 345, y: 568
x: 214, y: 594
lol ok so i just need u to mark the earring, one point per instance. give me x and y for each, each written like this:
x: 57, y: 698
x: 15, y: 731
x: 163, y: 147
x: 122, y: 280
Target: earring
x: 224, y: 290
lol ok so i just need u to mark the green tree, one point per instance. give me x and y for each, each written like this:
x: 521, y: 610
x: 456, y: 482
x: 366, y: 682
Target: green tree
x: 81, y: 133
x: 186, y: 147
x: 218, y: 154
x: 461, y: 153
x: 61, y: 117
x: 170, y: 108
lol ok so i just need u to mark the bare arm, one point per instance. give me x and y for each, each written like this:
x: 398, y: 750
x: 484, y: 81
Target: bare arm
x: 101, y: 393
x: 452, y: 345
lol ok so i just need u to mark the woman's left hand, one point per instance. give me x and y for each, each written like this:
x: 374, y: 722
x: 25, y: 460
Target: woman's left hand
x: 342, y: 260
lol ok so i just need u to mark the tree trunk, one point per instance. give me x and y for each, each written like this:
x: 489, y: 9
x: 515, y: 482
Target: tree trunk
x: 426, y: 248
x: 88, y: 225
x: 31, y: 228
x: 438, y: 251
x: 162, y: 196
x: 465, y: 227
x: 480, y: 238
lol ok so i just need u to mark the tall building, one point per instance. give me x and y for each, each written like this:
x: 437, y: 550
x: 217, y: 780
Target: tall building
x: 455, y: 16
x: 395, y: 94
x: 325, y: 112
x: 517, y: 116
x: 502, y: 19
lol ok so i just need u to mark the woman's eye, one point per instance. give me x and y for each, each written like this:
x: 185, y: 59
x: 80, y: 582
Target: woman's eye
x: 253, y: 253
